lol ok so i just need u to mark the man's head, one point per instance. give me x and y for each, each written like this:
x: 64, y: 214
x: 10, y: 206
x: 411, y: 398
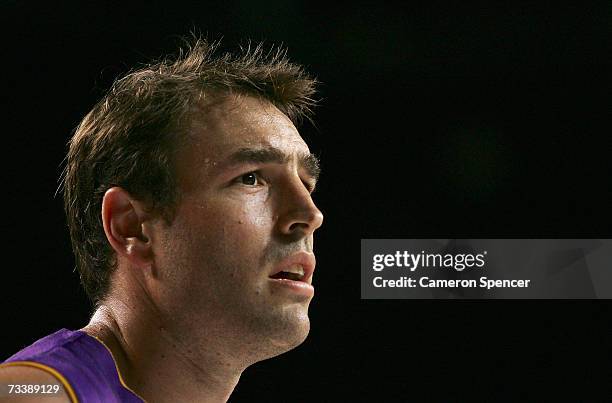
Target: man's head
x: 191, y: 178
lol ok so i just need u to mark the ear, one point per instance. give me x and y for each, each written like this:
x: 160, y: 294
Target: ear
x: 123, y: 218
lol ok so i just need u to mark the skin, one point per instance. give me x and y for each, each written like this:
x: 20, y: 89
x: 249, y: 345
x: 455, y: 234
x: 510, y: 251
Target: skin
x: 22, y: 375
x: 191, y: 304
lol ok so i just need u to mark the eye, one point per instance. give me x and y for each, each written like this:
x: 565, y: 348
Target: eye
x: 249, y: 179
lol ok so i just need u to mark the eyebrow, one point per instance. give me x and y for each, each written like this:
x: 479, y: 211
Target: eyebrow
x: 309, y: 162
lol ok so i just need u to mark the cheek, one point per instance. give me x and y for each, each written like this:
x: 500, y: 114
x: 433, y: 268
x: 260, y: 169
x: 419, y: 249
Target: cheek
x: 246, y: 218
x: 208, y: 246
x: 228, y: 227
x: 225, y: 231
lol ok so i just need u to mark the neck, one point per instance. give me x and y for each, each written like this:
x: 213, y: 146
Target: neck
x: 155, y: 364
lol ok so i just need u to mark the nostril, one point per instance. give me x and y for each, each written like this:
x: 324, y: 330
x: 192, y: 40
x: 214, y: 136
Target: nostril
x: 293, y: 226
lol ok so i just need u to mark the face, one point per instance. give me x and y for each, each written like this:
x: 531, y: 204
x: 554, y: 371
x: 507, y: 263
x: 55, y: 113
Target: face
x: 245, y: 219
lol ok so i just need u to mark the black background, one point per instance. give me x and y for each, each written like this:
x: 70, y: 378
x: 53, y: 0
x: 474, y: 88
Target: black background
x: 437, y: 121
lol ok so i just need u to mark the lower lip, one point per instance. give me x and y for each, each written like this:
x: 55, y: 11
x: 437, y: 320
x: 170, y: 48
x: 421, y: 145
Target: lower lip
x: 298, y: 287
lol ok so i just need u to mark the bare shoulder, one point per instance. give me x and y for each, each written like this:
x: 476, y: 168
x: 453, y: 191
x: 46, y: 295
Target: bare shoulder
x: 23, y: 383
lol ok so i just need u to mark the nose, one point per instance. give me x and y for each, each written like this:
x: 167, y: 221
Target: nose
x: 298, y: 214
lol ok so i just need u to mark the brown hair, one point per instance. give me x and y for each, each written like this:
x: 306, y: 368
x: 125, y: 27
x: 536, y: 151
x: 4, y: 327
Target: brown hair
x: 129, y: 137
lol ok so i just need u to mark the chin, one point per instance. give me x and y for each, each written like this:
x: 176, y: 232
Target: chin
x: 273, y: 329
x: 289, y: 335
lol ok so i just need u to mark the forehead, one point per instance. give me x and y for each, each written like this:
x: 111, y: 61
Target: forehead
x: 220, y: 128
x: 238, y: 121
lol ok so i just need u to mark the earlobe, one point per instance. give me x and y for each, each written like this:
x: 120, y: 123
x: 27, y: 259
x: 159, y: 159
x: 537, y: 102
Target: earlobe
x: 123, y: 218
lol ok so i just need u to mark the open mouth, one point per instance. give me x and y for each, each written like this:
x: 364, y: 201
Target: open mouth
x: 294, y: 273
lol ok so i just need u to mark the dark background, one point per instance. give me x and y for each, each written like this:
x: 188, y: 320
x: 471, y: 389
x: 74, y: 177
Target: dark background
x: 437, y: 121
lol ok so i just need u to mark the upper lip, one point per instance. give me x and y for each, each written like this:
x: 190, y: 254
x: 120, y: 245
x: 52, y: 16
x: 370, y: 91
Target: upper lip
x: 304, y: 259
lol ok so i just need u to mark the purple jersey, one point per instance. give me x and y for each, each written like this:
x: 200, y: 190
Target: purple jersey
x: 83, y: 364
